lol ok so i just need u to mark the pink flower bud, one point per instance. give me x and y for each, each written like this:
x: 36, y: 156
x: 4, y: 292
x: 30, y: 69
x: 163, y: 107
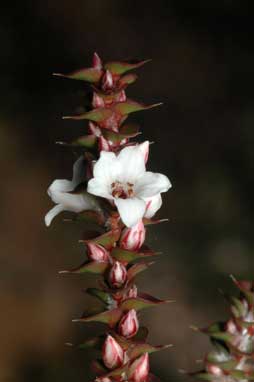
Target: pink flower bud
x: 97, y: 253
x: 117, y: 275
x: 103, y: 379
x: 121, y: 96
x: 215, y: 370
x: 133, y: 292
x: 97, y: 101
x: 134, y: 237
x: 139, y: 370
x: 103, y: 144
x: 107, y: 81
x: 128, y: 326
x: 94, y: 129
x: 97, y: 63
x: 112, y: 353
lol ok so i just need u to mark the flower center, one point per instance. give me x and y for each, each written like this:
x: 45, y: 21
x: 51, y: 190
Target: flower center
x: 122, y: 190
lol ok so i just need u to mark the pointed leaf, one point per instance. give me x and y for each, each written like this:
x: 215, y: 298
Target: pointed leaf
x: 87, y: 141
x: 128, y: 79
x: 100, y: 294
x: 129, y: 256
x: 129, y: 106
x: 142, y: 348
x: 118, y: 67
x: 141, y: 302
x: 95, y: 342
x: 98, y: 367
x: 136, y: 269
x: 96, y: 115
x: 110, y: 317
x: 108, y: 239
x: 89, y: 267
x: 88, y: 74
x: 91, y: 217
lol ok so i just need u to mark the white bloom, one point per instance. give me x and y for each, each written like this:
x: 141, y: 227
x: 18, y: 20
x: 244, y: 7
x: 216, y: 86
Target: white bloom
x: 123, y: 178
x: 60, y: 193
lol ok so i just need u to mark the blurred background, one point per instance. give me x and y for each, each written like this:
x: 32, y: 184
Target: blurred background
x: 202, y: 70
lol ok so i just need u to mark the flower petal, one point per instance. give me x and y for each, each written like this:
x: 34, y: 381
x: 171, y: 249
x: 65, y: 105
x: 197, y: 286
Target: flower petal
x: 97, y: 186
x: 52, y: 213
x: 132, y: 163
x: 107, y: 168
x: 76, y: 202
x: 131, y: 210
x: 151, y: 184
x: 78, y: 172
x: 59, y: 186
x: 153, y: 204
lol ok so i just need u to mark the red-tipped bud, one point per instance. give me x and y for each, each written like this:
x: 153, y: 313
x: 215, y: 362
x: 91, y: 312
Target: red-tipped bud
x: 94, y: 129
x: 97, y: 101
x: 139, y: 370
x: 121, y: 96
x: 107, y: 81
x: 112, y: 353
x: 133, y: 292
x: 117, y: 275
x: 215, y: 370
x: 103, y: 379
x: 97, y: 253
x: 103, y: 144
x: 144, y: 147
x: 97, y: 63
x: 128, y: 326
x: 134, y: 237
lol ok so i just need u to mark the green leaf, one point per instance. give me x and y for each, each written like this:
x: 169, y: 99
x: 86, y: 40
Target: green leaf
x: 88, y: 74
x: 129, y: 106
x: 127, y: 131
x: 108, y: 239
x: 128, y: 79
x: 109, y: 317
x: 89, y: 267
x: 91, y: 217
x: 136, y: 269
x: 142, y: 348
x: 95, y: 115
x: 143, y: 301
x: 100, y: 294
x: 87, y: 141
x: 118, y: 67
x: 98, y: 367
x: 95, y: 342
x: 129, y: 256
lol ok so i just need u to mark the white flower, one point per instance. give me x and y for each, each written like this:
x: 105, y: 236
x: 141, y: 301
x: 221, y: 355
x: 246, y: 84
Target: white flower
x: 123, y: 178
x: 60, y: 193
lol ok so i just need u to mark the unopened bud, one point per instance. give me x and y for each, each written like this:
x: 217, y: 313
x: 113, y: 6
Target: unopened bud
x: 132, y: 292
x: 128, y: 326
x: 107, y: 81
x: 97, y: 63
x: 112, y: 353
x: 139, y: 370
x: 103, y: 144
x: 117, y: 275
x: 134, y: 237
x: 94, y: 129
x: 97, y: 253
x: 121, y: 97
x: 97, y: 101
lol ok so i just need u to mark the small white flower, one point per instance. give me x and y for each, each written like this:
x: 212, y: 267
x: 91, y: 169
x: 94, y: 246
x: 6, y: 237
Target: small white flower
x: 123, y: 178
x: 60, y: 193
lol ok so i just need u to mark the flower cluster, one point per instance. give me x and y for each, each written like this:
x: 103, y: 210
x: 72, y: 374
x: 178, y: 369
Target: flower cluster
x: 112, y: 189
x: 232, y: 359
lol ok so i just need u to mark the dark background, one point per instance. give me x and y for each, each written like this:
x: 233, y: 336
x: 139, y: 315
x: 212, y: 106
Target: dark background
x: 203, y: 72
